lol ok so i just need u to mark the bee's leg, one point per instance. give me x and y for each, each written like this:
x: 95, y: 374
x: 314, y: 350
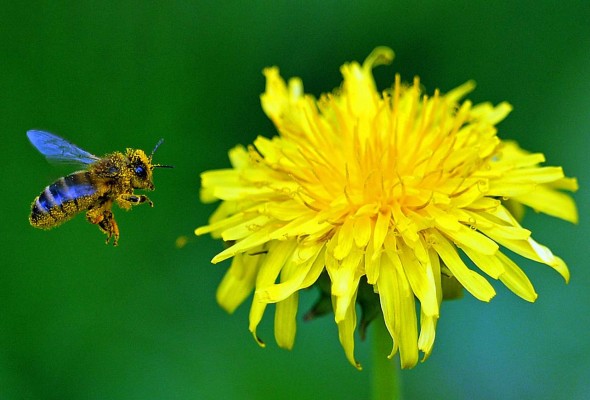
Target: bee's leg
x: 105, y: 220
x: 110, y: 227
x: 128, y: 199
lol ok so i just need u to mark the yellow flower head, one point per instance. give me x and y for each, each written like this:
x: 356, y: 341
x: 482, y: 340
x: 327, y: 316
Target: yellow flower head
x: 391, y: 189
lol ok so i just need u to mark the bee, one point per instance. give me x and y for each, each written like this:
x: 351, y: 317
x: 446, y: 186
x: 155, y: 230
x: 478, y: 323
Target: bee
x: 105, y: 181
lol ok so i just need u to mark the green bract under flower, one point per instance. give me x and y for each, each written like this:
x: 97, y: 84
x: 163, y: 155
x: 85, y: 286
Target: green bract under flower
x: 386, y: 186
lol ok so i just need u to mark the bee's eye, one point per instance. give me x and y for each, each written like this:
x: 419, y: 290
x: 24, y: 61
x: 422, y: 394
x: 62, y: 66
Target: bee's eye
x: 140, y: 171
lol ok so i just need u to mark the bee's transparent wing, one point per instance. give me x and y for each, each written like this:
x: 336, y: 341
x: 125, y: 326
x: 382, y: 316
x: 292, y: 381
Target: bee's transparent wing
x: 59, y: 150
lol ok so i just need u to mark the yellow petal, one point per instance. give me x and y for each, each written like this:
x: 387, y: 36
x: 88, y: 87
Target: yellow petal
x: 255, y: 239
x: 362, y: 230
x: 293, y: 275
x: 245, y: 228
x: 238, y: 282
x: 372, y: 263
x: 399, y: 313
x: 286, y: 321
x: 473, y: 282
x: 421, y: 280
x: 490, y: 264
x: 427, y: 334
x: 448, y: 223
x: 345, y: 239
x: 490, y: 114
x: 276, y: 95
x: 346, y: 328
x: 345, y: 277
x: 532, y: 250
x: 516, y: 280
x: 267, y: 274
x: 381, y: 229
x: 551, y: 202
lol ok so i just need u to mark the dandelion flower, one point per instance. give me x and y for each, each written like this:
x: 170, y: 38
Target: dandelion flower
x: 396, y: 190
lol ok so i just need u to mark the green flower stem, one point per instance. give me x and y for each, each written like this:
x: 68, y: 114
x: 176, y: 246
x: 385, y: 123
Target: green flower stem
x: 386, y: 378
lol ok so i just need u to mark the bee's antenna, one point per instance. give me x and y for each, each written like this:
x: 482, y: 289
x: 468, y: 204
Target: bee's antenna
x: 156, y: 147
x: 153, y: 151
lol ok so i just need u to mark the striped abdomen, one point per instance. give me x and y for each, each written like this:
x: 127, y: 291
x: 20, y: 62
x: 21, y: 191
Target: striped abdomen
x: 63, y: 199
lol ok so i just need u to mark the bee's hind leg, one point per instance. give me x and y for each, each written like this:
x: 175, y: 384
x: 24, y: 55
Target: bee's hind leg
x: 109, y: 226
x: 106, y: 223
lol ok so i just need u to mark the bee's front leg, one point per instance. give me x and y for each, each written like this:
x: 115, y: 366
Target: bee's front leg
x: 105, y: 220
x: 126, y: 200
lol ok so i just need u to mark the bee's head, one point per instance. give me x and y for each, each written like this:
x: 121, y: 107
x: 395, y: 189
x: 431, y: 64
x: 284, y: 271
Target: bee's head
x: 142, y: 168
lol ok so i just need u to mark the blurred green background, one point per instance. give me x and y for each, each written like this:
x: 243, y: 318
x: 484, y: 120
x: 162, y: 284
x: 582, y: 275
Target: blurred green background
x: 81, y: 320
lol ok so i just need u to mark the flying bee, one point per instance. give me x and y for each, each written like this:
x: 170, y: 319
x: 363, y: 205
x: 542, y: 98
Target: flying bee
x: 105, y: 180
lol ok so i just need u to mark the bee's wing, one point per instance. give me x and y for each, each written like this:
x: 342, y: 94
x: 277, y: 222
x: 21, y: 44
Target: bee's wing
x: 59, y: 150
